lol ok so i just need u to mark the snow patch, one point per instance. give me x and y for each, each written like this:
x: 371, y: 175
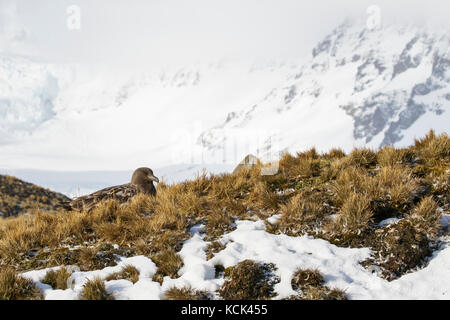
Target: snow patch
x: 340, y: 268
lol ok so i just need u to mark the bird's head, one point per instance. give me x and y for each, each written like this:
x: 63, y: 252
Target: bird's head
x: 143, y: 176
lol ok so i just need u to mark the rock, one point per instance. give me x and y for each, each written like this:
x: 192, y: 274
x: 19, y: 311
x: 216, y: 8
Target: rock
x: 249, y: 162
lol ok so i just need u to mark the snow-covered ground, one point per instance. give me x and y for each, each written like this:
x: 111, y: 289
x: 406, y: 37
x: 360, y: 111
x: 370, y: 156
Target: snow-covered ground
x: 339, y: 266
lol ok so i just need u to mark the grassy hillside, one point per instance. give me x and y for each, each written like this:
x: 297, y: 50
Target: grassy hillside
x: 17, y: 197
x: 337, y: 197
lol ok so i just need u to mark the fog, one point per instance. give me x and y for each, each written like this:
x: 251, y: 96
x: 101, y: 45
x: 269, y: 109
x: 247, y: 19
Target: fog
x: 139, y: 33
x: 126, y: 37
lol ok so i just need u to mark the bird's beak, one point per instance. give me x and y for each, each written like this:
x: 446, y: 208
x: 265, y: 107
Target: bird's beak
x: 153, y: 178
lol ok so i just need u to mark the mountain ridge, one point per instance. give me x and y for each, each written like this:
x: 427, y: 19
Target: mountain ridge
x: 20, y: 197
x: 360, y: 87
x: 387, y: 79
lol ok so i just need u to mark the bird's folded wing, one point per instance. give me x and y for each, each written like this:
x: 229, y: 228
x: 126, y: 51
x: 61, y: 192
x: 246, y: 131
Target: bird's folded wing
x: 121, y: 193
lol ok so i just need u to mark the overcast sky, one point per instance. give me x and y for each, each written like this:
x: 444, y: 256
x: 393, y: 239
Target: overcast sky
x: 131, y: 33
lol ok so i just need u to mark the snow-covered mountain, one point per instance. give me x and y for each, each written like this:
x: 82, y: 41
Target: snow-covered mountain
x: 110, y: 122
x: 27, y: 94
x: 360, y: 87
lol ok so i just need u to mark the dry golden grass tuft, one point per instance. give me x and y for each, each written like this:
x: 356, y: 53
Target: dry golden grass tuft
x: 308, y: 154
x: 390, y: 156
x: 288, y: 166
x: 334, y: 196
x: 306, y: 277
x: 353, y: 217
x: 249, y: 280
x: 168, y: 263
x: 185, y: 293
x: 432, y: 147
x: 400, y: 247
x: 16, y: 287
x: 95, y: 290
x: 305, y: 165
x: 57, y: 279
x: 391, y: 190
x: 404, y: 245
x: 425, y: 217
x: 363, y: 157
x: 323, y: 293
x: 213, y: 248
x: 347, y: 181
x: 217, y: 223
x: 303, y: 213
x: 335, y: 153
x: 262, y: 197
x: 128, y: 272
x: 309, y: 284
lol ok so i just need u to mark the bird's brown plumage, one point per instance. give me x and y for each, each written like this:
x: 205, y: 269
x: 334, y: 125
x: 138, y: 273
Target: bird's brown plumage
x: 141, y: 182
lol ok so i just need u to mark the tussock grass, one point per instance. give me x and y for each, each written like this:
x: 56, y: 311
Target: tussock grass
x: 95, y: 290
x: 340, y: 198
x: 90, y: 259
x: 389, y: 156
x: 168, y: 263
x: 363, y: 157
x: 404, y: 245
x: 309, y: 284
x: 128, y: 272
x: 302, y: 213
x: 217, y: 223
x: 426, y: 217
x: 213, y: 248
x: 262, y: 197
x: 305, y: 165
x: 308, y: 154
x: 323, y: 293
x: 335, y: 153
x: 57, y: 279
x: 249, y: 280
x: 391, y: 190
x: 185, y: 293
x: 400, y: 247
x: 353, y: 217
x: 307, y: 277
x: 15, y: 287
x: 432, y: 147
